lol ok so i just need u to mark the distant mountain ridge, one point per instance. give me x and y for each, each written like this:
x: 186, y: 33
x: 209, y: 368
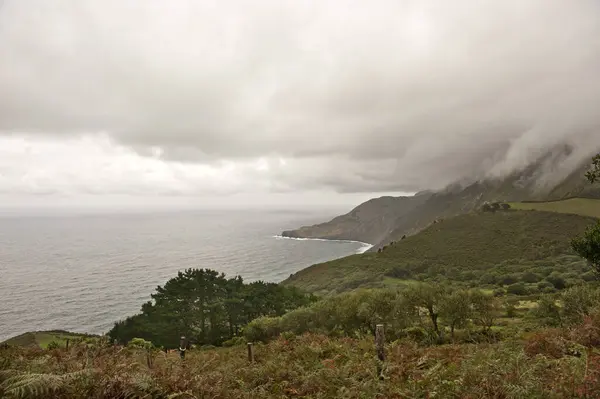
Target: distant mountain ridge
x: 380, y: 221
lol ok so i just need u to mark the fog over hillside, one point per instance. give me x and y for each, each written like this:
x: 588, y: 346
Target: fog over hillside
x: 315, y: 98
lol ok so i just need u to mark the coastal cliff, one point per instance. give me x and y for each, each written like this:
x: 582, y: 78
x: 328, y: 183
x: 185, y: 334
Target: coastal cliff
x: 380, y: 221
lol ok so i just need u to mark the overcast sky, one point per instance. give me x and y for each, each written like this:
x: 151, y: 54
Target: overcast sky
x: 274, y: 101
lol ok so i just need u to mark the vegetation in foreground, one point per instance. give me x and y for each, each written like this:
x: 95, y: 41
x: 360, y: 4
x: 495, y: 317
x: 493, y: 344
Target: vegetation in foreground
x: 549, y: 363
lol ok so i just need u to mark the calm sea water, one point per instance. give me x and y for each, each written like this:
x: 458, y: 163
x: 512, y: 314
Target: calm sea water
x: 83, y: 273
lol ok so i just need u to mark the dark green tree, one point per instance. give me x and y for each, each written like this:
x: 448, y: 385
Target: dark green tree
x: 593, y: 174
x: 206, y: 307
x: 588, y: 245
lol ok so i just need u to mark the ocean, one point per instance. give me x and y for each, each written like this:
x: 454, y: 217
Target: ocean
x: 84, y: 272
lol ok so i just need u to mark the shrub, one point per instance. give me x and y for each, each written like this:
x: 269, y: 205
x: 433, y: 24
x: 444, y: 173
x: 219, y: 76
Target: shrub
x: 299, y: 321
x: 235, y: 341
x: 549, y: 290
x: 578, y: 301
x: 517, y: 289
x: 509, y: 279
x: 263, y: 329
x: 399, y: 273
x: 53, y: 345
x: 140, y: 343
x: 547, y: 312
x: 467, y: 276
x: 485, y: 310
x: 416, y: 334
x: 549, y: 343
x: 530, y: 277
x: 544, y: 284
x: 588, y: 246
x: 487, y: 279
x: 511, y: 310
x: 557, y: 280
x: 588, y: 331
x: 456, y: 309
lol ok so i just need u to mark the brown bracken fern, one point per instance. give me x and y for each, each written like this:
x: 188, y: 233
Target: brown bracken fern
x: 14, y: 384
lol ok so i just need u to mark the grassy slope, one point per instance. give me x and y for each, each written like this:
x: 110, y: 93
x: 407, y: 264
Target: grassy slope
x: 43, y: 338
x: 471, y: 241
x: 578, y: 206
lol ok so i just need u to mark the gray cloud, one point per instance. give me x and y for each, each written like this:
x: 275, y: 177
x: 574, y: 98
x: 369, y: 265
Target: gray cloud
x: 355, y: 96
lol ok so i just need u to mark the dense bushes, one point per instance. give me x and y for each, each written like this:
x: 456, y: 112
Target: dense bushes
x: 567, y: 308
x: 519, y: 278
x: 433, y: 313
x: 262, y: 328
x: 522, y: 277
x: 205, y: 307
x: 517, y: 289
x: 432, y: 308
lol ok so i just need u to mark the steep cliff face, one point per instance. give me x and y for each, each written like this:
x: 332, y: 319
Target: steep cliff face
x: 382, y: 220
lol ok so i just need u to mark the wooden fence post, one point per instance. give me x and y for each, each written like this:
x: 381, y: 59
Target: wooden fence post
x: 379, y: 344
x: 67, y: 344
x: 250, y: 353
x: 182, y: 347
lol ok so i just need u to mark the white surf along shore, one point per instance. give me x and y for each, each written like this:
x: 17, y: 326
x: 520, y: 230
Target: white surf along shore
x: 365, y: 245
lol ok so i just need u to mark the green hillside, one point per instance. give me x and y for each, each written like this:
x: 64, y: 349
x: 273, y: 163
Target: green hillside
x: 577, y: 206
x: 460, y: 249
x: 43, y: 338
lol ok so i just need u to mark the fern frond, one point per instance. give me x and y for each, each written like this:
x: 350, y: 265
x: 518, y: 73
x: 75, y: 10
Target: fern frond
x: 5, y: 374
x: 35, y: 385
x: 32, y: 385
x: 186, y: 395
x: 138, y: 386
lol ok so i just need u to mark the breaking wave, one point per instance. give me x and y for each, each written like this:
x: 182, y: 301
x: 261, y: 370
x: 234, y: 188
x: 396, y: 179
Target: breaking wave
x: 364, y: 248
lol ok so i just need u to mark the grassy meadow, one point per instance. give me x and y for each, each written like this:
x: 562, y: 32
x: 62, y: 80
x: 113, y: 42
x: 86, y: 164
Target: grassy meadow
x: 42, y: 339
x: 576, y: 206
